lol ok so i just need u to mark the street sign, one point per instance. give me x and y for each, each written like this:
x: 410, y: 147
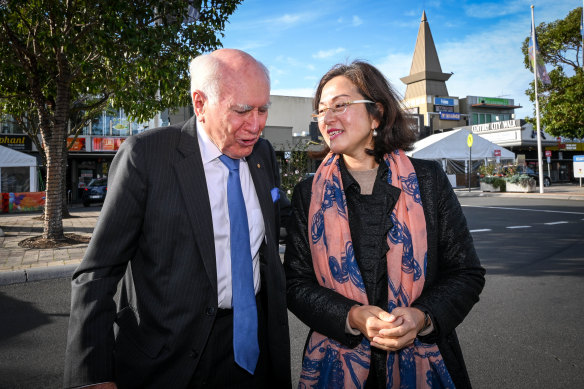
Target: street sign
x: 548, y: 153
x: 497, y: 153
x: 469, y: 140
x: 578, y: 166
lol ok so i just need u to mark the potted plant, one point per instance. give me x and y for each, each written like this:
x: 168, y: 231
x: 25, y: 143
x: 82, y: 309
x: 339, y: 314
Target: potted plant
x: 489, y: 180
x: 492, y: 184
x: 520, y: 183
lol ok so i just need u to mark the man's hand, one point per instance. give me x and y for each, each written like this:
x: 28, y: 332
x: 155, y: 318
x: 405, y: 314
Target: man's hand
x: 370, y: 320
x: 411, y: 321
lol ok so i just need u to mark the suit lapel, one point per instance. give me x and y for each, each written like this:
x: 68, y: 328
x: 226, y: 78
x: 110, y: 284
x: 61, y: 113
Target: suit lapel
x: 193, y: 187
x: 260, y: 170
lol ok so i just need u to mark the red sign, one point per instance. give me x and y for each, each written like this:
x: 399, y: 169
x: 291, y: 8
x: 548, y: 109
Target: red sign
x: 497, y: 153
x: 107, y: 144
x: 78, y: 145
x: 548, y: 153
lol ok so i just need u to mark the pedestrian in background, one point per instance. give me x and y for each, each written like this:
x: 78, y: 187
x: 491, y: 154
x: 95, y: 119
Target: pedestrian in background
x: 191, y: 224
x: 379, y: 260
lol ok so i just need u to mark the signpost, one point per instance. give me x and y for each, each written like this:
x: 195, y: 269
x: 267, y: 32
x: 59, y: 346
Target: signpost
x: 469, y: 144
x: 548, y: 156
x: 497, y: 154
x: 579, y: 167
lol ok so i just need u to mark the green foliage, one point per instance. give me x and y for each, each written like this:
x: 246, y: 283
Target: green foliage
x: 487, y: 170
x: 133, y: 54
x: 496, y: 182
x: 560, y: 103
x: 521, y: 179
x: 295, y: 167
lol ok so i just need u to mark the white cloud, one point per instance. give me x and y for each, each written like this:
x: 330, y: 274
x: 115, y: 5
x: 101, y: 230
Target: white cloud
x: 322, y: 54
x: 496, y: 9
x: 395, y: 66
x: 357, y: 21
x: 286, y: 21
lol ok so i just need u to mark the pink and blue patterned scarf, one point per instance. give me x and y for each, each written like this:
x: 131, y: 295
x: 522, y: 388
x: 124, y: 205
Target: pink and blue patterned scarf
x: 327, y: 363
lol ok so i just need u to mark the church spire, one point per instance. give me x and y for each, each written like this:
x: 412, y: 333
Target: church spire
x: 426, y: 76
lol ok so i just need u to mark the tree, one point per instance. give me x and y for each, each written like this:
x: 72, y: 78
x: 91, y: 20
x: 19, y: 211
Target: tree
x: 61, y: 61
x: 560, y: 103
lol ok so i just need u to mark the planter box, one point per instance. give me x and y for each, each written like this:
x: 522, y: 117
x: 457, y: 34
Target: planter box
x: 511, y: 187
x: 489, y: 188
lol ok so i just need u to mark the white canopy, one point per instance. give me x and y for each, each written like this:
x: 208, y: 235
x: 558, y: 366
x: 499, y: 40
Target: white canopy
x: 13, y: 158
x: 453, y: 145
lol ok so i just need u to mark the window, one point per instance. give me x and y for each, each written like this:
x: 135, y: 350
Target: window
x: 15, y: 179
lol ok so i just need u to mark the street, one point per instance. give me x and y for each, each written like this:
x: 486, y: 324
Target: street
x: 524, y: 333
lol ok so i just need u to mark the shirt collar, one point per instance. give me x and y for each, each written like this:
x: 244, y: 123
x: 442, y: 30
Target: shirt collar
x: 209, y: 150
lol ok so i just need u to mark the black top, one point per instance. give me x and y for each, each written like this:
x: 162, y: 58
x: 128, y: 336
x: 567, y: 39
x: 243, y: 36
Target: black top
x: 369, y: 223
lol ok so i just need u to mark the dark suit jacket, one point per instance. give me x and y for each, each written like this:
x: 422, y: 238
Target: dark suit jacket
x: 155, y: 230
x: 454, y: 276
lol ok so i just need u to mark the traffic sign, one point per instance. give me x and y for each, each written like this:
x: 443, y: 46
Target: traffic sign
x: 497, y: 153
x: 548, y: 153
x: 469, y: 140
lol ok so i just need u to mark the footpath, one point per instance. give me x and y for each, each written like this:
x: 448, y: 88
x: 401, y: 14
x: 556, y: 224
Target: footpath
x: 18, y: 265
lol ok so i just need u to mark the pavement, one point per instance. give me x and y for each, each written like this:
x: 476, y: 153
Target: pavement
x: 18, y: 265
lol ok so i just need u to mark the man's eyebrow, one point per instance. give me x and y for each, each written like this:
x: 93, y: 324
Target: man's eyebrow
x: 247, y: 107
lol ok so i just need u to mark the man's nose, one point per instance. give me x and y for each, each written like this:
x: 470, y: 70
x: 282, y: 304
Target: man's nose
x: 254, y: 120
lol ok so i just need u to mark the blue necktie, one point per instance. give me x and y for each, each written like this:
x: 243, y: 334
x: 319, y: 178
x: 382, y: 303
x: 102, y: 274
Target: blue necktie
x: 245, y: 319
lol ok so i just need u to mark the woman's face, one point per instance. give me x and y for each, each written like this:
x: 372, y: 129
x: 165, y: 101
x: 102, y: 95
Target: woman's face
x: 348, y: 133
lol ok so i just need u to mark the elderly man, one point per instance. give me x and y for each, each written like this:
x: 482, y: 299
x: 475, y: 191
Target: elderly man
x: 191, y: 224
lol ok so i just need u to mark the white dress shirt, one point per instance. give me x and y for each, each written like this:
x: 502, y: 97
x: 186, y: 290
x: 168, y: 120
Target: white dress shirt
x: 216, y: 174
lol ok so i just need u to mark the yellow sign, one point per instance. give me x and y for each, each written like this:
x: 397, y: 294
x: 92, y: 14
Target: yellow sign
x: 469, y: 140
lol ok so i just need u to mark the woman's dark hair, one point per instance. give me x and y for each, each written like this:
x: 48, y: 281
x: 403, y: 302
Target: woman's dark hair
x: 395, y: 130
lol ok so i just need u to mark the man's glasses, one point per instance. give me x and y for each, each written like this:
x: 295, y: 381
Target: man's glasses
x: 336, y: 109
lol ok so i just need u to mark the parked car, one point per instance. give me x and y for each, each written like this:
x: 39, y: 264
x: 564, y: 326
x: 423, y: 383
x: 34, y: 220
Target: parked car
x: 530, y: 172
x: 94, y: 192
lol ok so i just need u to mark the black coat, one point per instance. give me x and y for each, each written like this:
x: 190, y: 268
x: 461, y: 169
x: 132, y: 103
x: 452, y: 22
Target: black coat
x: 454, y: 276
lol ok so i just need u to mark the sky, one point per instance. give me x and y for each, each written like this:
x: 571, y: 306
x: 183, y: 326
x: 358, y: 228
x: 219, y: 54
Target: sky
x: 479, y: 41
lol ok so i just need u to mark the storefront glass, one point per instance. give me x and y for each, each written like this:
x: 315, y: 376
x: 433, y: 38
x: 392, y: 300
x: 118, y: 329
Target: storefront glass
x: 15, y: 179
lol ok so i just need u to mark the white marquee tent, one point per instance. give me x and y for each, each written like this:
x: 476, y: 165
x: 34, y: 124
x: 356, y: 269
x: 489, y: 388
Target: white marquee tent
x: 18, y: 171
x: 452, y: 145
x: 451, y: 149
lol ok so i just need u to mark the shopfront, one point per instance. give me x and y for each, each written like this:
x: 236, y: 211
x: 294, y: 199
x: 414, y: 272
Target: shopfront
x: 521, y: 138
x: 89, y: 157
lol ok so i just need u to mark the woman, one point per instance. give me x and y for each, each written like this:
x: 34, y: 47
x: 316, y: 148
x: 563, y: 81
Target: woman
x: 379, y: 260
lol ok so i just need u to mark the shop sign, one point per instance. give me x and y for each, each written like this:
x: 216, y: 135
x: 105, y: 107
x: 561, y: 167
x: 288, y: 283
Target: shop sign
x: 443, y: 108
x: 76, y: 144
x: 493, y: 101
x: 107, y: 143
x: 16, y: 142
x: 496, y: 126
x: 449, y: 116
x: 443, y: 101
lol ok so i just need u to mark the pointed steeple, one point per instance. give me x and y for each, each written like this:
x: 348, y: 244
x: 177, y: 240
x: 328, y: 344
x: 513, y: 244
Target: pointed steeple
x: 426, y: 77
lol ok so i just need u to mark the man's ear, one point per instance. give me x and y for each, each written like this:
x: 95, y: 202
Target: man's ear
x: 199, y: 105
